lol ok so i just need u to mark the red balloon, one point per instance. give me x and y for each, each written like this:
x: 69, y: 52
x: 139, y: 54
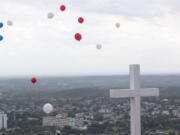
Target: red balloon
x: 33, y: 80
x: 78, y: 36
x: 80, y: 20
x: 62, y: 7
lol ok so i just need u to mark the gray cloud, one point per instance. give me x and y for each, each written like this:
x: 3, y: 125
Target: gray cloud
x: 128, y: 8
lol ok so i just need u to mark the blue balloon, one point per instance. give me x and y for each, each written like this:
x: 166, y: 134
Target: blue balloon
x: 1, y: 24
x: 1, y: 38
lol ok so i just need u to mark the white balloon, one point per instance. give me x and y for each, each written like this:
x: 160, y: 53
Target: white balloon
x: 50, y: 15
x: 98, y: 46
x: 10, y: 23
x: 48, y: 108
x: 117, y: 25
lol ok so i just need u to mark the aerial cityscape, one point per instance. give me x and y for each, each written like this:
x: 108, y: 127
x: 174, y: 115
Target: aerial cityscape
x: 87, y: 110
x: 89, y: 67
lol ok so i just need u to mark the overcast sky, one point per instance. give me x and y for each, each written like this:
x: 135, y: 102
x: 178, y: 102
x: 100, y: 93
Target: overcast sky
x: 37, y: 46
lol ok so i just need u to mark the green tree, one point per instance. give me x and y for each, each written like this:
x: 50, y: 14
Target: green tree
x: 171, y: 133
x: 96, y: 128
x: 98, y: 117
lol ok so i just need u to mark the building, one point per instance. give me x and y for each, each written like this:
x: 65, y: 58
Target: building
x: 79, y: 115
x: 165, y: 112
x: 3, y: 120
x: 105, y: 110
x: 60, y: 121
x: 177, y: 112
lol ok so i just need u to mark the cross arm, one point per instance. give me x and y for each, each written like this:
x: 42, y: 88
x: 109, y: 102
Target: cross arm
x: 124, y: 93
x: 148, y: 92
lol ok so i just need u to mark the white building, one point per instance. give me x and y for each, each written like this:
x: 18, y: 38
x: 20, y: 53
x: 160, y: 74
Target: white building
x: 3, y: 120
x: 165, y: 100
x: 60, y: 121
x: 177, y: 112
x: 165, y: 112
x: 104, y: 110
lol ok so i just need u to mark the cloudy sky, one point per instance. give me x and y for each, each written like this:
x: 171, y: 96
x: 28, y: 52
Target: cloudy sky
x: 37, y: 46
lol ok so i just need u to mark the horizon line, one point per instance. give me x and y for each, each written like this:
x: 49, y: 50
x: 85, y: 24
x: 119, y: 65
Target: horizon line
x: 87, y: 75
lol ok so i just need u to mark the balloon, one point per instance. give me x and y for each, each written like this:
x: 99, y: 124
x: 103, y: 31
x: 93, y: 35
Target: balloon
x: 1, y: 24
x: 33, y: 80
x: 9, y: 23
x: 62, y: 7
x: 50, y: 15
x: 48, y: 108
x: 117, y: 25
x: 1, y: 38
x: 80, y: 20
x: 98, y: 46
x: 78, y: 36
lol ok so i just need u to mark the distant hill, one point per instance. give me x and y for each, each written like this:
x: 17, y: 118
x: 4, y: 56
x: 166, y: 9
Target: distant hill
x: 170, y: 91
x: 169, y: 84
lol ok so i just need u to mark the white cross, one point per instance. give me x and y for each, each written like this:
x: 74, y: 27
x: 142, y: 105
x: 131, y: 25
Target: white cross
x: 135, y: 93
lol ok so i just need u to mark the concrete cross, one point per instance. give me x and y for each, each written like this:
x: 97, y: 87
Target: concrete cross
x: 135, y: 93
